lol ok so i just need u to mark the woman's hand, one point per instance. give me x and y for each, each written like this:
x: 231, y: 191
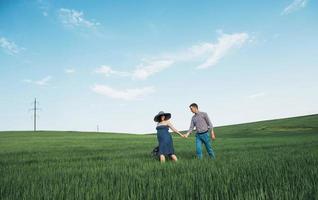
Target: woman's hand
x: 181, y: 135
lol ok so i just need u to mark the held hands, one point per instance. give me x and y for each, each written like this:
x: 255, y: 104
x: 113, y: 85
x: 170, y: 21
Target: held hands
x: 187, y: 135
x: 183, y: 135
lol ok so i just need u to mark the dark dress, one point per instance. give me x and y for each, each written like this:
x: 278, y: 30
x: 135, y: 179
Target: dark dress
x: 165, y: 140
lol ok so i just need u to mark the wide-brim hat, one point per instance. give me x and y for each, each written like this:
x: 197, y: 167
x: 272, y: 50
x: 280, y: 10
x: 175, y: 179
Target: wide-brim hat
x: 157, y: 117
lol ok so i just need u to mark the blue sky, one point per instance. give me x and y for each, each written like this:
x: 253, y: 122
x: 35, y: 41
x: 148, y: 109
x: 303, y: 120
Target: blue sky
x: 118, y: 63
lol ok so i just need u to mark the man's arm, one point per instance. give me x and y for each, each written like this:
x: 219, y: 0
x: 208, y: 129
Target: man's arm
x: 212, y: 134
x: 208, y: 121
x: 210, y: 126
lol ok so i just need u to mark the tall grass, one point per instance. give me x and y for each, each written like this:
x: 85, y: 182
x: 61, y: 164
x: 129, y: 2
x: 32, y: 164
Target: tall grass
x: 254, y: 161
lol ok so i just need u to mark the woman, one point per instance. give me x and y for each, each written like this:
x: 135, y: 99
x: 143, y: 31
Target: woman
x: 164, y: 137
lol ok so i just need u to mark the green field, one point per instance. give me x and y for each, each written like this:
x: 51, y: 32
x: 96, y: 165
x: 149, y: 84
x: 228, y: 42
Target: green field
x: 275, y: 159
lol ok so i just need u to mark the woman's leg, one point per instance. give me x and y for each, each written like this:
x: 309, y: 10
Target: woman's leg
x: 174, y: 158
x: 162, y: 158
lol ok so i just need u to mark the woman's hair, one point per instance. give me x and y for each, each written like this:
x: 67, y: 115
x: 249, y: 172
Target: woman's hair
x: 160, y: 120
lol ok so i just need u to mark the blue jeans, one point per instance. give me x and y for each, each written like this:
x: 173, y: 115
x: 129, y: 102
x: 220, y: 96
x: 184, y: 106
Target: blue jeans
x: 205, y: 139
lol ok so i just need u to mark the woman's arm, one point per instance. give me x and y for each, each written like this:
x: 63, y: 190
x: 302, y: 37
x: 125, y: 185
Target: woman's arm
x: 174, y: 129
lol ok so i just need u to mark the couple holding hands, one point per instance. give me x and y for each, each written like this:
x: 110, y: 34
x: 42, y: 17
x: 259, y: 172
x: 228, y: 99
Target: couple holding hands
x: 200, y: 120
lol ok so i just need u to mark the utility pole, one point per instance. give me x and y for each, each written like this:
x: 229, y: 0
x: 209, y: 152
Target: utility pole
x: 35, y: 109
x: 34, y: 115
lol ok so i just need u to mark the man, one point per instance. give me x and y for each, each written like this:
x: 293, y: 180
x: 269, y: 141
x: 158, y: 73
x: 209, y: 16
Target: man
x: 200, y: 120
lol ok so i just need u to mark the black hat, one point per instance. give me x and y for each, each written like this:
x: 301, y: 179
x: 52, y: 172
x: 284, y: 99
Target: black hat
x: 167, y: 116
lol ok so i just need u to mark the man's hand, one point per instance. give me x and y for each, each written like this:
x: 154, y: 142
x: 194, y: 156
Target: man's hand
x: 212, y: 135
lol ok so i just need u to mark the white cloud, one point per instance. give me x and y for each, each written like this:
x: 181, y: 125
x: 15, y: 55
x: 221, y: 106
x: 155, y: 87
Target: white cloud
x: 148, y: 68
x: 257, y: 95
x: 27, y: 80
x: 211, y: 53
x: 201, y: 49
x: 9, y: 46
x: 208, y: 53
x: 74, y: 18
x: 107, y: 71
x: 44, y: 7
x: 69, y: 71
x: 41, y: 82
x: 141, y: 72
x: 225, y: 43
x: 126, y: 94
x: 294, y: 6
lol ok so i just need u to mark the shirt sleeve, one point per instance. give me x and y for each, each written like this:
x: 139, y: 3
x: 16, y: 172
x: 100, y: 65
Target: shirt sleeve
x: 191, y: 126
x: 208, y: 121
